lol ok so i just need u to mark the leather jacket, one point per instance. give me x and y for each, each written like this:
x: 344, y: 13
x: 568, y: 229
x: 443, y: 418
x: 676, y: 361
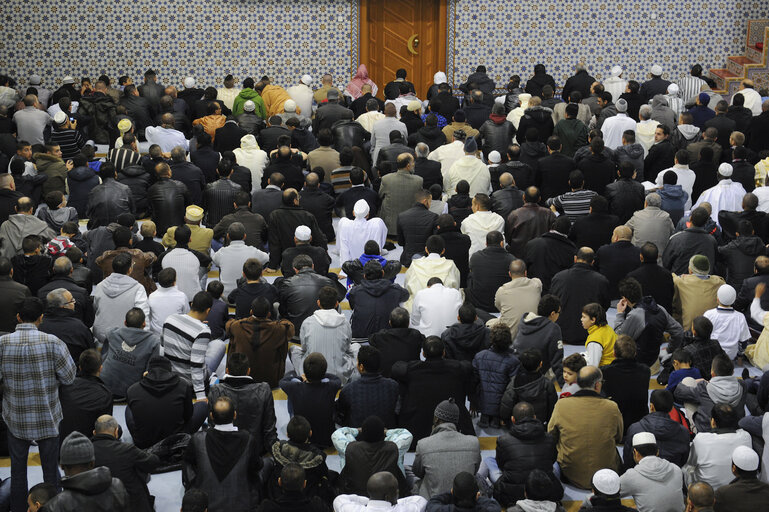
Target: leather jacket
x: 167, y: 199
x: 101, y: 109
x: 348, y: 133
x: 107, y: 201
x: 138, y: 180
x: 250, y: 122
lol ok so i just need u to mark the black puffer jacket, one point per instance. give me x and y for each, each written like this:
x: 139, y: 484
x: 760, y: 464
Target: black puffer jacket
x: 167, y: 200
x: 496, y: 133
x: 138, y: 180
x: 91, y: 491
x: 107, y: 201
x: 492, y: 372
x: 348, y: 133
x: 532, y: 387
x: 672, y: 438
x: 525, y: 448
x: 101, y: 109
x: 80, y: 181
x: 430, y: 135
x: 371, y: 303
x: 463, y: 341
x: 537, y: 117
x: 313, y: 461
x: 739, y: 256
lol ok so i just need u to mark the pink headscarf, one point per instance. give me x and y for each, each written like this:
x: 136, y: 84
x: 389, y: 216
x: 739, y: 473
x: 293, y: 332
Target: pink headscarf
x: 359, y: 80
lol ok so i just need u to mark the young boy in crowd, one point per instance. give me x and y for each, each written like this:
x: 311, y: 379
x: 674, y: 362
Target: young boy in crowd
x: 148, y: 231
x: 39, y: 495
x: 571, y: 367
x: 682, y: 368
x: 312, y: 395
x: 220, y: 313
x: 55, y: 212
x: 730, y: 327
x: 31, y: 268
x: 529, y: 385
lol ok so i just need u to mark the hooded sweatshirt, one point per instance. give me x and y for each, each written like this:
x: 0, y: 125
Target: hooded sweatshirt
x: 633, y: 153
x: 249, y: 155
x: 125, y: 356
x: 472, y: 170
x: 18, y: 226
x: 94, y: 489
x: 245, y: 95
x: 655, y: 484
x: 463, y: 341
x: 662, y: 113
x: 535, y: 506
x: 673, y: 199
x: 372, y: 301
x: 539, y: 332
x: 56, y: 218
x: 327, y: 331
x: 112, y: 298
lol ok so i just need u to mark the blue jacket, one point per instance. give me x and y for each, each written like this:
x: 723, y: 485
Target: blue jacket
x: 492, y: 371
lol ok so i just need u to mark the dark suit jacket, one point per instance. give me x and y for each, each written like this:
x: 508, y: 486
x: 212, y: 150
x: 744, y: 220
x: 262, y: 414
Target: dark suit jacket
x: 228, y: 137
x: 553, y: 174
x: 321, y: 205
x: 576, y: 287
x: 430, y: 171
x: 593, y: 230
x: 547, y: 255
x: 265, y: 201
x: 615, y: 261
x: 488, y: 271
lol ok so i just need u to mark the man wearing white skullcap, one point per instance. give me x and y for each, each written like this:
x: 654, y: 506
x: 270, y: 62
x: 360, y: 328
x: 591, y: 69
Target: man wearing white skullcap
x: 726, y: 195
x: 615, y: 84
x: 729, y: 326
x: 746, y: 493
x: 352, y: 235
x: 656, y: 85
x: 675, y: 102
x: 606, y: 491
x: 301, y: 93
x: 654, y: 483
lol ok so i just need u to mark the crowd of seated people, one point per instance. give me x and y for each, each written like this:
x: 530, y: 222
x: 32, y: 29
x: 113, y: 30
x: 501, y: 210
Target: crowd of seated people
x: 626, y: 219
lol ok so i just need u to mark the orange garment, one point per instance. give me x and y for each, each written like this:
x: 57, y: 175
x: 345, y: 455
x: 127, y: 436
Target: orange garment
x: 274, y: 97
x: 211, y: 124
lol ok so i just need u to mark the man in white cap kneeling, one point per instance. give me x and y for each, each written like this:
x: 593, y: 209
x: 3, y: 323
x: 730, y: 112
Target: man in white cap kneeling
x: 615, y: 84
x: 654, y: 483
x: 730, y: 327
x: 301, y: 93
x: 606, y: 492
x: 746, y: 492
x: 726, y: 195
x: 656, y: 85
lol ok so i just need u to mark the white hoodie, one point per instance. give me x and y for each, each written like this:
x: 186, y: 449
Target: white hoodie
x: 249, y: 155
x: 477, y: 225
x: 112, y: 298
x: 472, y: 170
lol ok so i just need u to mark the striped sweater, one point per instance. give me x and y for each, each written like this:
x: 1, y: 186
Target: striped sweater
x: 184, y: 343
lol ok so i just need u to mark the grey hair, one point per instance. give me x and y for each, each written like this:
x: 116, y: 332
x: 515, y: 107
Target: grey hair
x: 581, y: 67
x: 178, y: 154
x: 62, y: 266
x: 422, y: 150
x: 56, y: 298
x: 588, y: 377
x: 654, y: 199
x: 105, y: 423
x: 645, y: 112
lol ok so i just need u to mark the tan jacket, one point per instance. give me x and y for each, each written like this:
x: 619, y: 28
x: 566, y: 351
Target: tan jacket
x: 211, y: 124
x: 200, y: 238
x: 325, y: 157
x: 586, y: 428
x: 693, y: 296
x: 516, y: 298
x: 449, y: 130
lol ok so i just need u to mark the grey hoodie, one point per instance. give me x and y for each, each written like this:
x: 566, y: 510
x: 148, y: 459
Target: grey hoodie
x: 19, y: 225
x: 662, y: 113
x: 125, y: 356
x: 633, y: 153
x: 112, y: 298
x: 327, y: 331
x: 655, y: 484
x: 725, y: 389
x: 535, y: 506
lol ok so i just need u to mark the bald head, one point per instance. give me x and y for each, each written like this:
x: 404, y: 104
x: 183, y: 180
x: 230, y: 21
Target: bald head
x: 701, y: 495
x: 622, y: 233
x: 589, y: 377
x: 312, y: 180
x: 383, y: 486
x: 517, y: 268
x: 506, y: 180
x: 106, y: 424
x: 762, y: 264
x: 6, y: 181
x: 366, y: 88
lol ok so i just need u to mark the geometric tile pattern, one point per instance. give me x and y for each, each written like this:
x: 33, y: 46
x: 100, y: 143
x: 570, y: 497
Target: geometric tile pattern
x: 285, y: 39
x: 511, y: 37
x: 206, y: 39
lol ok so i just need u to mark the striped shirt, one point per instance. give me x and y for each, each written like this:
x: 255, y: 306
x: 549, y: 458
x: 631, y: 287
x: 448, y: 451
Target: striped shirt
x: 689, y: 87
x: 32, y: 366
x: 69, y: 141
x: 123, y: 157
x: 573, y: 204
x: 184, y: 342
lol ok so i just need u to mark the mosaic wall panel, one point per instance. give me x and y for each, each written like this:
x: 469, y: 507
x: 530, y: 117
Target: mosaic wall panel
x: 511, y: 37
x: 203, y: 38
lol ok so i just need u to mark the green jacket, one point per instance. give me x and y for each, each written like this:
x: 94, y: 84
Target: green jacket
x: 573, y: 134
x: 243, y: 97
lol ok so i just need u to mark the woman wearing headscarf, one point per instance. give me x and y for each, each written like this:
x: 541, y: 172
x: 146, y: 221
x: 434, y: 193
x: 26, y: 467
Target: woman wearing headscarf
x: 359, y: 80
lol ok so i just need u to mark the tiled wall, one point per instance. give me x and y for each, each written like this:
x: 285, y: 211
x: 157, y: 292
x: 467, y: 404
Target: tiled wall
x: 287, y: 38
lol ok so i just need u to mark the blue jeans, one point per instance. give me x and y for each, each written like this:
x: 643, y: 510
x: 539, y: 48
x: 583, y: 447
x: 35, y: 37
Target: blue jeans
x: 19, y: 451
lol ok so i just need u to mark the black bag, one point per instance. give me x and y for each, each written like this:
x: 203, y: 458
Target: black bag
x: 170, y: 451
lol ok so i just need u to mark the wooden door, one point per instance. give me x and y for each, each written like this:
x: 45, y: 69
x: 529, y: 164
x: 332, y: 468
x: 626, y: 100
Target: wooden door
x: 408, y: 34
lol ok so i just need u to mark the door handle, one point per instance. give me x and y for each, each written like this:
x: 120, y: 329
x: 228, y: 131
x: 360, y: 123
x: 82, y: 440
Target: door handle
x: 413, y: 43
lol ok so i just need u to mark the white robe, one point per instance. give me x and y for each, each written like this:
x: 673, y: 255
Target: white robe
x: 422, y: 269
x: 478, y: 225
x: 726, y: 195
x: 255, y: 160
x: 472, y: 170
x: 352, y: 235
x: 447, y: 154
x: 616, y: 86
x: 613, y: 128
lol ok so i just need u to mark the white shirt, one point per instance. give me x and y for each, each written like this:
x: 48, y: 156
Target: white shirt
x: 616, y: 86
x: 352, y: 235
x: 478, y: 225
x: 686, y: 179
x: 165, y: 302
x: 255, y: 160
x: 726, y: 195
x: 227, y: 95
x: 435, y: 309
x: 752, y: 100
x: 302, y: 96
x: 230, y: 261
x: 166, y: 138
x: 447, y: 154
x: 187, y: 268
x: 471, y: 169
x: 729, y: 328
x: 711, y: 456
x: 355, y: 503
x: 763, y: 198
x: 613, y: 128
x: 55, y: 108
